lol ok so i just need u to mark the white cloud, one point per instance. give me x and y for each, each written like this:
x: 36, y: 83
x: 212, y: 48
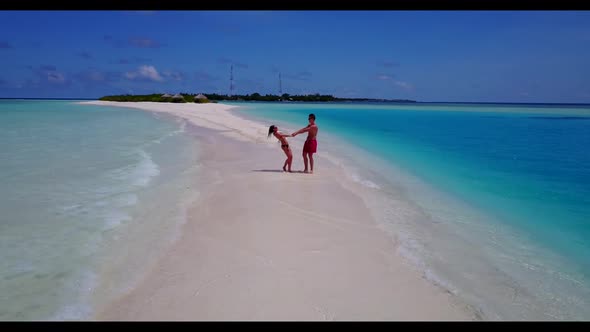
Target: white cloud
x: 404, y: 85
x: 146, y: 73
x: 401, y: 84
x: 55, y: 77
x: 175, y: 75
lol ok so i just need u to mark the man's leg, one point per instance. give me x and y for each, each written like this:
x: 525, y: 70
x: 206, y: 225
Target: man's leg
x: 311, y: 162
x: 305, y: 161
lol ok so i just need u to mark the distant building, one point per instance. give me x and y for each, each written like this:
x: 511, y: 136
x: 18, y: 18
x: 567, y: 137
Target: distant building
x: 178, y: 96
x: 166, y: 96
x: 201, y: 98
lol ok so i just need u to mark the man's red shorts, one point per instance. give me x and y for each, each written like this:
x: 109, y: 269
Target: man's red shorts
x: 310, y: 146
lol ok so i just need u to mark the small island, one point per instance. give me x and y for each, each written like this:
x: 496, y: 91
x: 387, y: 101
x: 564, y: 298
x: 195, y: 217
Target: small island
x: 214, y: 97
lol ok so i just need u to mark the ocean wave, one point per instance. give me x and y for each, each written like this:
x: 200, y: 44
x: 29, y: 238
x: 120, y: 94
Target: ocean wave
x: 137, y: 174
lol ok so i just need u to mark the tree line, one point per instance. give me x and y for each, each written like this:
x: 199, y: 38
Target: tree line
x: 214, y: 97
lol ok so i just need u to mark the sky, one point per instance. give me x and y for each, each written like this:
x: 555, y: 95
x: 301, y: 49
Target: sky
x: 428, y: 56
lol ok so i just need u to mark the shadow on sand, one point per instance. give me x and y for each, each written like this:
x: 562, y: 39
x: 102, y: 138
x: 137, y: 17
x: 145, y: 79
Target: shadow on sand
x: 274, y: 171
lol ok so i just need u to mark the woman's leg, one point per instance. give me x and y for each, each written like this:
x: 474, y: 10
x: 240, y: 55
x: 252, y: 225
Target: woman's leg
x: 286, y: 150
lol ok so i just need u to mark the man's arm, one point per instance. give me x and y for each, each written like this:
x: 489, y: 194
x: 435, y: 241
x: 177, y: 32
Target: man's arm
x: 302, y: 130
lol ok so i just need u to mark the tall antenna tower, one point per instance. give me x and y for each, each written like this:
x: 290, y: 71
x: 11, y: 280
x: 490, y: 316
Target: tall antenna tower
x: 231, y: 80
x: 280, y: 85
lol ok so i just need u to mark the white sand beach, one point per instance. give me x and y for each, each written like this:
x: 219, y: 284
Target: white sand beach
x: 261, y: 244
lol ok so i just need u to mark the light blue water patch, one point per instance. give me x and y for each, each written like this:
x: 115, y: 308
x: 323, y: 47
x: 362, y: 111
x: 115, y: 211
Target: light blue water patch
x: 526, y: 166
x: 70, y: 175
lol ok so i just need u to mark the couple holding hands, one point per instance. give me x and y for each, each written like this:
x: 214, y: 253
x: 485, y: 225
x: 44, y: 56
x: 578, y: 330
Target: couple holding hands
x: 309, y: 147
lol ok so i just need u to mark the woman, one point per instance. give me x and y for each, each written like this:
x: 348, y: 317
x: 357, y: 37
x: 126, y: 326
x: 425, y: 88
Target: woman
x: 274, y: 130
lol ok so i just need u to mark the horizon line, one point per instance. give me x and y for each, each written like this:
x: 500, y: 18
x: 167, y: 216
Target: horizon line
x: 377, y: 99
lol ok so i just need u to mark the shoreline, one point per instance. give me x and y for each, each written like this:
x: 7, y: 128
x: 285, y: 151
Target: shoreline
x: 301, y: 247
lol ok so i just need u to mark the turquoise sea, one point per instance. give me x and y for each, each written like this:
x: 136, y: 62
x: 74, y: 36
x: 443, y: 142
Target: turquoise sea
x: 78, y: 192
x: 491, y: 201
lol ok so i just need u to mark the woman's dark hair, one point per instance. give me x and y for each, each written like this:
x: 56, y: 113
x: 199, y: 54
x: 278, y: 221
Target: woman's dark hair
x: 270, y: 130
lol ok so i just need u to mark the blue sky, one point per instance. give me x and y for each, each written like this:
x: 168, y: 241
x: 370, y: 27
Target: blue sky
x: 465, y: 56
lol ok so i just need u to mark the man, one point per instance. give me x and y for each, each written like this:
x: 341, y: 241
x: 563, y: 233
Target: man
x: 310, y: 146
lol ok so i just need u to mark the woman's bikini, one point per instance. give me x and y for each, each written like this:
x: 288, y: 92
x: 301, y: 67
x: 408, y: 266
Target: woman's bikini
x: 282, y: 145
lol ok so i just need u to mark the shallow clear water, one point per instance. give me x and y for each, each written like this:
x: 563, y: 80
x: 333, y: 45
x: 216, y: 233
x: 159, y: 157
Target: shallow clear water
x: 74, y: 178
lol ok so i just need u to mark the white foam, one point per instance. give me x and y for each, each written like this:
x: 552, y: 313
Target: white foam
x: 145, y: 170
x: 364, y: 182
x: 140, y: 173
x: 127, y: 199
x: 351, y: 171
x: 115, y: 218
x: 180, y: 130
x: 78, y: 308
